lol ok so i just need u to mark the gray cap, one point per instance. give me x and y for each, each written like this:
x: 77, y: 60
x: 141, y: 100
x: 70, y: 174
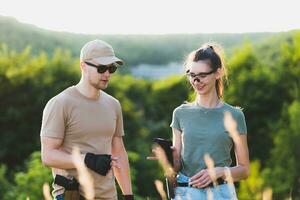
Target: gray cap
x: 99, y: 52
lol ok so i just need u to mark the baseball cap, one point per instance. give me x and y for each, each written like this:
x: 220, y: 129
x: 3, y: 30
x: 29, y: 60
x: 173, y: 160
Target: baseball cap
x: 99, y: 52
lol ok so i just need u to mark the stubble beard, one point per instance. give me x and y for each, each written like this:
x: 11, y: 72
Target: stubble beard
x: 98, y: 85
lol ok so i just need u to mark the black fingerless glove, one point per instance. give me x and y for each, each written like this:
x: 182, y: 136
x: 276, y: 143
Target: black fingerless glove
x: 100, y: 163
x: 128, y: 197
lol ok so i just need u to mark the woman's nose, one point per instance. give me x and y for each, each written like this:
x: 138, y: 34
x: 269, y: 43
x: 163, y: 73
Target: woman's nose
x: 197, y: 80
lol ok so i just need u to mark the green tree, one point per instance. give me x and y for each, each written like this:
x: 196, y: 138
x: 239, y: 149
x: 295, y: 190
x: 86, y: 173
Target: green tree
x: 26, y: 83
x: 283, y: 166
x: 30, y: 182
x: 253, y: 87
x: 4, y: 183
x: 283, y: 174
x: 252, y: 187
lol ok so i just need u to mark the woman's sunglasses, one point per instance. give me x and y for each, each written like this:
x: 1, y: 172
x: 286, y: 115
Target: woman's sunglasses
x: 102, y: 68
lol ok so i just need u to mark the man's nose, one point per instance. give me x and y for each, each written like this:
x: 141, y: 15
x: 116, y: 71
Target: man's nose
x: 107, y: 73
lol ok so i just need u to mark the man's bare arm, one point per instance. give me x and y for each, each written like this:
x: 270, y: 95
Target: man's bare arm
x: 122, y: 172
x: 53, y: 155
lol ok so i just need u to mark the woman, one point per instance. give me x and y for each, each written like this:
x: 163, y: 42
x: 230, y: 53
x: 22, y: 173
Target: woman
x: 198, y: 129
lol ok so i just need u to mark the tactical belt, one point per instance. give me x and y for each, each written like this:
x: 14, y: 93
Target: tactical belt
x: 219, y: 181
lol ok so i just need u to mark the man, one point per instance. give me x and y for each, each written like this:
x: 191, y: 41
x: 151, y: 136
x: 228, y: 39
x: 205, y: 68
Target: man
x: 85, y: 116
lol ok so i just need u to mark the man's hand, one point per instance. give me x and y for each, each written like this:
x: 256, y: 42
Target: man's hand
x: 100, y: 163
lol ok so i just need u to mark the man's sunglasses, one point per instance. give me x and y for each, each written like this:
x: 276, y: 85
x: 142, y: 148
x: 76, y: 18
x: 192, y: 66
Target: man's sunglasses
x: 102, y: 68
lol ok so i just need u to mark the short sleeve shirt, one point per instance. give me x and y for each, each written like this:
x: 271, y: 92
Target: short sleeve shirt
x: 203, y: 132
x: 88, y: 124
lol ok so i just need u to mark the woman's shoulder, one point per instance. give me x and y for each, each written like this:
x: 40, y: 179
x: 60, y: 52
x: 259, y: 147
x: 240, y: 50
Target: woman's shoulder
x: 186, y: 106
x: 235, y: 110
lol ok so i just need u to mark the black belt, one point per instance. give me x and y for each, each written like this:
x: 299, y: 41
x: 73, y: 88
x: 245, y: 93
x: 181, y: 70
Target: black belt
x: 219, y: 181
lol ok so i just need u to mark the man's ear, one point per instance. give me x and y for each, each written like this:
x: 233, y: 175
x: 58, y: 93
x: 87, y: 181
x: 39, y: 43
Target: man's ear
x: 82, y: 66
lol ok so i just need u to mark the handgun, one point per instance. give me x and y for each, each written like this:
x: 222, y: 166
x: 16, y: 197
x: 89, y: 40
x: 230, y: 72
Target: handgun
x: 166, y: 146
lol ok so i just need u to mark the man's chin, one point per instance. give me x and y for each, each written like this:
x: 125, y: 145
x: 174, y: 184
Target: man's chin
x: 102, y: 86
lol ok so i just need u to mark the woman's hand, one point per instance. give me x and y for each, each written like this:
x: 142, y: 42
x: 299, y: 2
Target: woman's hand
x: 205, y: 177
x: 160, y: 155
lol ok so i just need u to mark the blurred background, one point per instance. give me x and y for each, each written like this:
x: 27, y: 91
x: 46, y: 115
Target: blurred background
x: 40, y: 43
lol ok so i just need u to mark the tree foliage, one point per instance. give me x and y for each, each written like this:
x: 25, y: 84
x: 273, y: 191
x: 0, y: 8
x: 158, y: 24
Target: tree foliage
x: 30, y: 182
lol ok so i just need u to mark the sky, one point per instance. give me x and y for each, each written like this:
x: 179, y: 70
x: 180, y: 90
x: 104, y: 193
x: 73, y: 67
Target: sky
x: 156, y: 16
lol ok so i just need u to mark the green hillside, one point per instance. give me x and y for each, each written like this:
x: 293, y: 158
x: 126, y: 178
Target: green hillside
x: 134, y: 49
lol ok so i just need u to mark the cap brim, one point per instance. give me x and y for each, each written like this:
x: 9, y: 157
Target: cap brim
x: 107, y: 60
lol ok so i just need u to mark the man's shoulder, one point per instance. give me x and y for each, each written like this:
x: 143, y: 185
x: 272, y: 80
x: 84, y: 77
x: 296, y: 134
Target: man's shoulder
x: 109, y: 98
x: 62, y: 97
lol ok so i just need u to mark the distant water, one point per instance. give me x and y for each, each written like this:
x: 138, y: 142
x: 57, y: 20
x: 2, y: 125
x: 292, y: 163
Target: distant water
x: 148, y: 71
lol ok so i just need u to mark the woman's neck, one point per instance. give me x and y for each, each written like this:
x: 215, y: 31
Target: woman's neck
x: 208, y: 101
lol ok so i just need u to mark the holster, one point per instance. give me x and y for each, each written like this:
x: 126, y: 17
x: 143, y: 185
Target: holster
x: 170, y: 189
x: 171, y: 179
x: 170, y: 186
x: 71, y: 187
x: 72, y: 195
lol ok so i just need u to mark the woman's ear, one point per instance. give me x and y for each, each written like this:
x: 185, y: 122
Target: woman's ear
x: 218, y: 73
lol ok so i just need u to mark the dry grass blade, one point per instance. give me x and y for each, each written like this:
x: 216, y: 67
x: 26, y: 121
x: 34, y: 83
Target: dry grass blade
x: 162, y: 158
x: 228, y: 176
x: 211, y: 168
x: 160, y: 188
x: 267, y: 194
x: 231, y: 126
x: 210, y: 195
x: 84, y: 177
x: 163, y: 161
x: 46, y: 191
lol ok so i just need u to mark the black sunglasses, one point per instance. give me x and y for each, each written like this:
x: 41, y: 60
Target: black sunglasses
x: 102, y: 68
x: 199, y: 75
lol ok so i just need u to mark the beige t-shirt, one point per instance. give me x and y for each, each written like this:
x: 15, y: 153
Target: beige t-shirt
x: 88, y: 124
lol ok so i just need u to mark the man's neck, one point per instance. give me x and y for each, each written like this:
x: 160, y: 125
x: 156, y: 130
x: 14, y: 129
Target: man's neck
x: 87, y: 90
